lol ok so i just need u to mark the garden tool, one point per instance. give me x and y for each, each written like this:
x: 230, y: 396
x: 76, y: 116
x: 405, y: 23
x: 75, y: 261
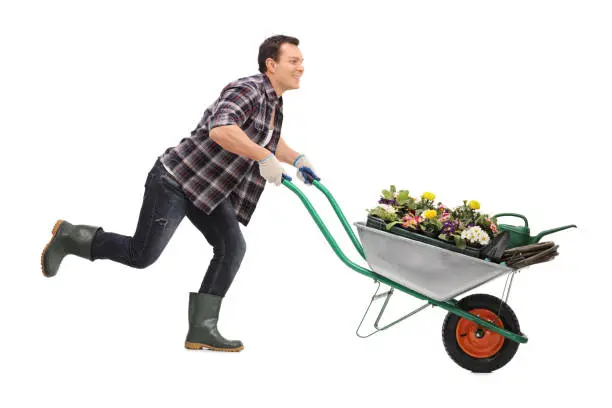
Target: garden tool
x: 519, y: 236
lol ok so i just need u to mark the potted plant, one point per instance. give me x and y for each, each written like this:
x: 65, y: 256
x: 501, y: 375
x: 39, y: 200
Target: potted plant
x: 463, y: 227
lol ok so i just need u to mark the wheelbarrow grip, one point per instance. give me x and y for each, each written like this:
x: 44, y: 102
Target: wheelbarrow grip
x: 309, y: 175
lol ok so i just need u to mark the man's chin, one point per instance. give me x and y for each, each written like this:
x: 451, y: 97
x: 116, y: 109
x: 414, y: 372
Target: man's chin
x: 292, y: 85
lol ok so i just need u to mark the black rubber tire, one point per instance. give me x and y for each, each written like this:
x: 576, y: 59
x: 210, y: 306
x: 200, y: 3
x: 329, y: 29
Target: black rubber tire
x: 481, y: 365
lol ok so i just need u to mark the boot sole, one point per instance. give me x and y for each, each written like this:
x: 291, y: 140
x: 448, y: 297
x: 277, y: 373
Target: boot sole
x: 42, y: 256
x: 198, y: 346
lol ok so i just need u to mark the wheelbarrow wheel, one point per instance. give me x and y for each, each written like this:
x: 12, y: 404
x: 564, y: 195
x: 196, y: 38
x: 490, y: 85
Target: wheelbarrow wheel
x: 472, y: 346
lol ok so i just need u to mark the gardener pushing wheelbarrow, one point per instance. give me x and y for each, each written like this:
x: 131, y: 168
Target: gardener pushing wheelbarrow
x: 215, y: 177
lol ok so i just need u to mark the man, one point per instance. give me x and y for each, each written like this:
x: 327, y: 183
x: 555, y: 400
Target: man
x: 215, y: 177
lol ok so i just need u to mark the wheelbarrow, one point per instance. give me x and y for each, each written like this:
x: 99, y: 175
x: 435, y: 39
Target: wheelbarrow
x: 480, y: 332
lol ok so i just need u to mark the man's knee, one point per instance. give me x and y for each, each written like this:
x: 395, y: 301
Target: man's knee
x: 232, y: 247
x: 144, y: 260
x: 240, y: 247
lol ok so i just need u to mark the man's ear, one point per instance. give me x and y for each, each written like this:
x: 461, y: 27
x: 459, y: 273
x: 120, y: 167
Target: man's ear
x: 271, y: 66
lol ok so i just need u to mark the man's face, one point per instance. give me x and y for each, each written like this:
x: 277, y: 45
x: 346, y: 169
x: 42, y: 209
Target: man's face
x: 288, y: 70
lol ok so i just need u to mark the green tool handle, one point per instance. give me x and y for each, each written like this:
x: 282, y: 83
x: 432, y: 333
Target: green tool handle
x: 512, y: 215
x: 340, y: 214
x: 287, y: 182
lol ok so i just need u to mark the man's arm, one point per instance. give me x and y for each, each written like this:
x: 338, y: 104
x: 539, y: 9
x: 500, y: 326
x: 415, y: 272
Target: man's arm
x: 284, y: 153
x: 235, y: 104
x: 233, y: 139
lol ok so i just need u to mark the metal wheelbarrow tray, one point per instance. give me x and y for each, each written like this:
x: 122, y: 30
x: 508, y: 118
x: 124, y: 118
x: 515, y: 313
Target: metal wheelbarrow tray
x: 433, y: 271
x: 480, y: 333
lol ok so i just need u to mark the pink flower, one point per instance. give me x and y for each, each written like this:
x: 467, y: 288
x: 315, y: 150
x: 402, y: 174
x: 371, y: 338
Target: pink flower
x: 411, y: 221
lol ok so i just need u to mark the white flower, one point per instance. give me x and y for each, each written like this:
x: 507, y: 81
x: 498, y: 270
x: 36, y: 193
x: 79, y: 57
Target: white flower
x: 388, y: 208
x: 467, y: 234
x: 475, y: 234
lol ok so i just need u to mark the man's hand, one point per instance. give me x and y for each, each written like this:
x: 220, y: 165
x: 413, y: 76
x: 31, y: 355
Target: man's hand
x: 304, y: 166
x: 271, y: 169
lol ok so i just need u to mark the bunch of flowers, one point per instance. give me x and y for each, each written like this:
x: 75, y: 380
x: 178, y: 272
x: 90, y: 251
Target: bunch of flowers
x: 431, y: 225
x: 464, y: 224
x: 475, y: 235
x: 426, y: 202
x: 449, y: 227
x: 410, y: 220
x: 386, y: 212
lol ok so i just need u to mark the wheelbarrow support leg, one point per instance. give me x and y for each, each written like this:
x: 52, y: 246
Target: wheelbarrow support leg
x: 387, y: 296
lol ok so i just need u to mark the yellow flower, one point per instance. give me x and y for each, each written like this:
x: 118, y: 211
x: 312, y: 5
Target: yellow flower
x: 430, y: 214
x: 474, y: 205
x: 428, y: 196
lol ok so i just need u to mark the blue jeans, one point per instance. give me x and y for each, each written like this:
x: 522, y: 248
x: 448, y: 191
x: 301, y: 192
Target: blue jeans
x: 163, y: 208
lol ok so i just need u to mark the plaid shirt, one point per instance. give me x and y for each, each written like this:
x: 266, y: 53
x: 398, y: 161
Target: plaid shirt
x: 208, y: 173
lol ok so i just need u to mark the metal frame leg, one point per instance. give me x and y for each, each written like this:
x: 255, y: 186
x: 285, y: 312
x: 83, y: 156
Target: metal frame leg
x: 506, y: 292
x: 384, y: 306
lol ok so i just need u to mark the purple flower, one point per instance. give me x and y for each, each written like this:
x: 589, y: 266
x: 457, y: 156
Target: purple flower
x: 387, y: 201
x: 449, y: 227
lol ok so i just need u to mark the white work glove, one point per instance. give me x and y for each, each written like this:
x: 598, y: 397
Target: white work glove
x: 271, y: 169
x: 302, y: 161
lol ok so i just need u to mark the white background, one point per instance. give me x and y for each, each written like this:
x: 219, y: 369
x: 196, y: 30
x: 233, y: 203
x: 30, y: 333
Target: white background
x: 507, y: 103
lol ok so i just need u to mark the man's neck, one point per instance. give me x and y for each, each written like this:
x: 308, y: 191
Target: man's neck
x: 277, y: 88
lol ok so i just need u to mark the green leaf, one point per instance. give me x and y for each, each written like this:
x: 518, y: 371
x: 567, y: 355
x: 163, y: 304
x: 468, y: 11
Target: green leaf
x: 402, y: 197
x: 387, y: 194
x: 391, y: 224
x: 392, y: 189
x: 380, y: 213
x: 460, y: 242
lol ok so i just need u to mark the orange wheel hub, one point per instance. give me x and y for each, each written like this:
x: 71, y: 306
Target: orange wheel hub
x: 478, y: 341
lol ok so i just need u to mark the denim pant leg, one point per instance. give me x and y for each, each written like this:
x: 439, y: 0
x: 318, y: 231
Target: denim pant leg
x: 163, y: 208
x: 222, y: 231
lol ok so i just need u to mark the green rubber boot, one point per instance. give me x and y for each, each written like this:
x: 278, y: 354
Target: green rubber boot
x: 67, y: 239
x: 203, y: 315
